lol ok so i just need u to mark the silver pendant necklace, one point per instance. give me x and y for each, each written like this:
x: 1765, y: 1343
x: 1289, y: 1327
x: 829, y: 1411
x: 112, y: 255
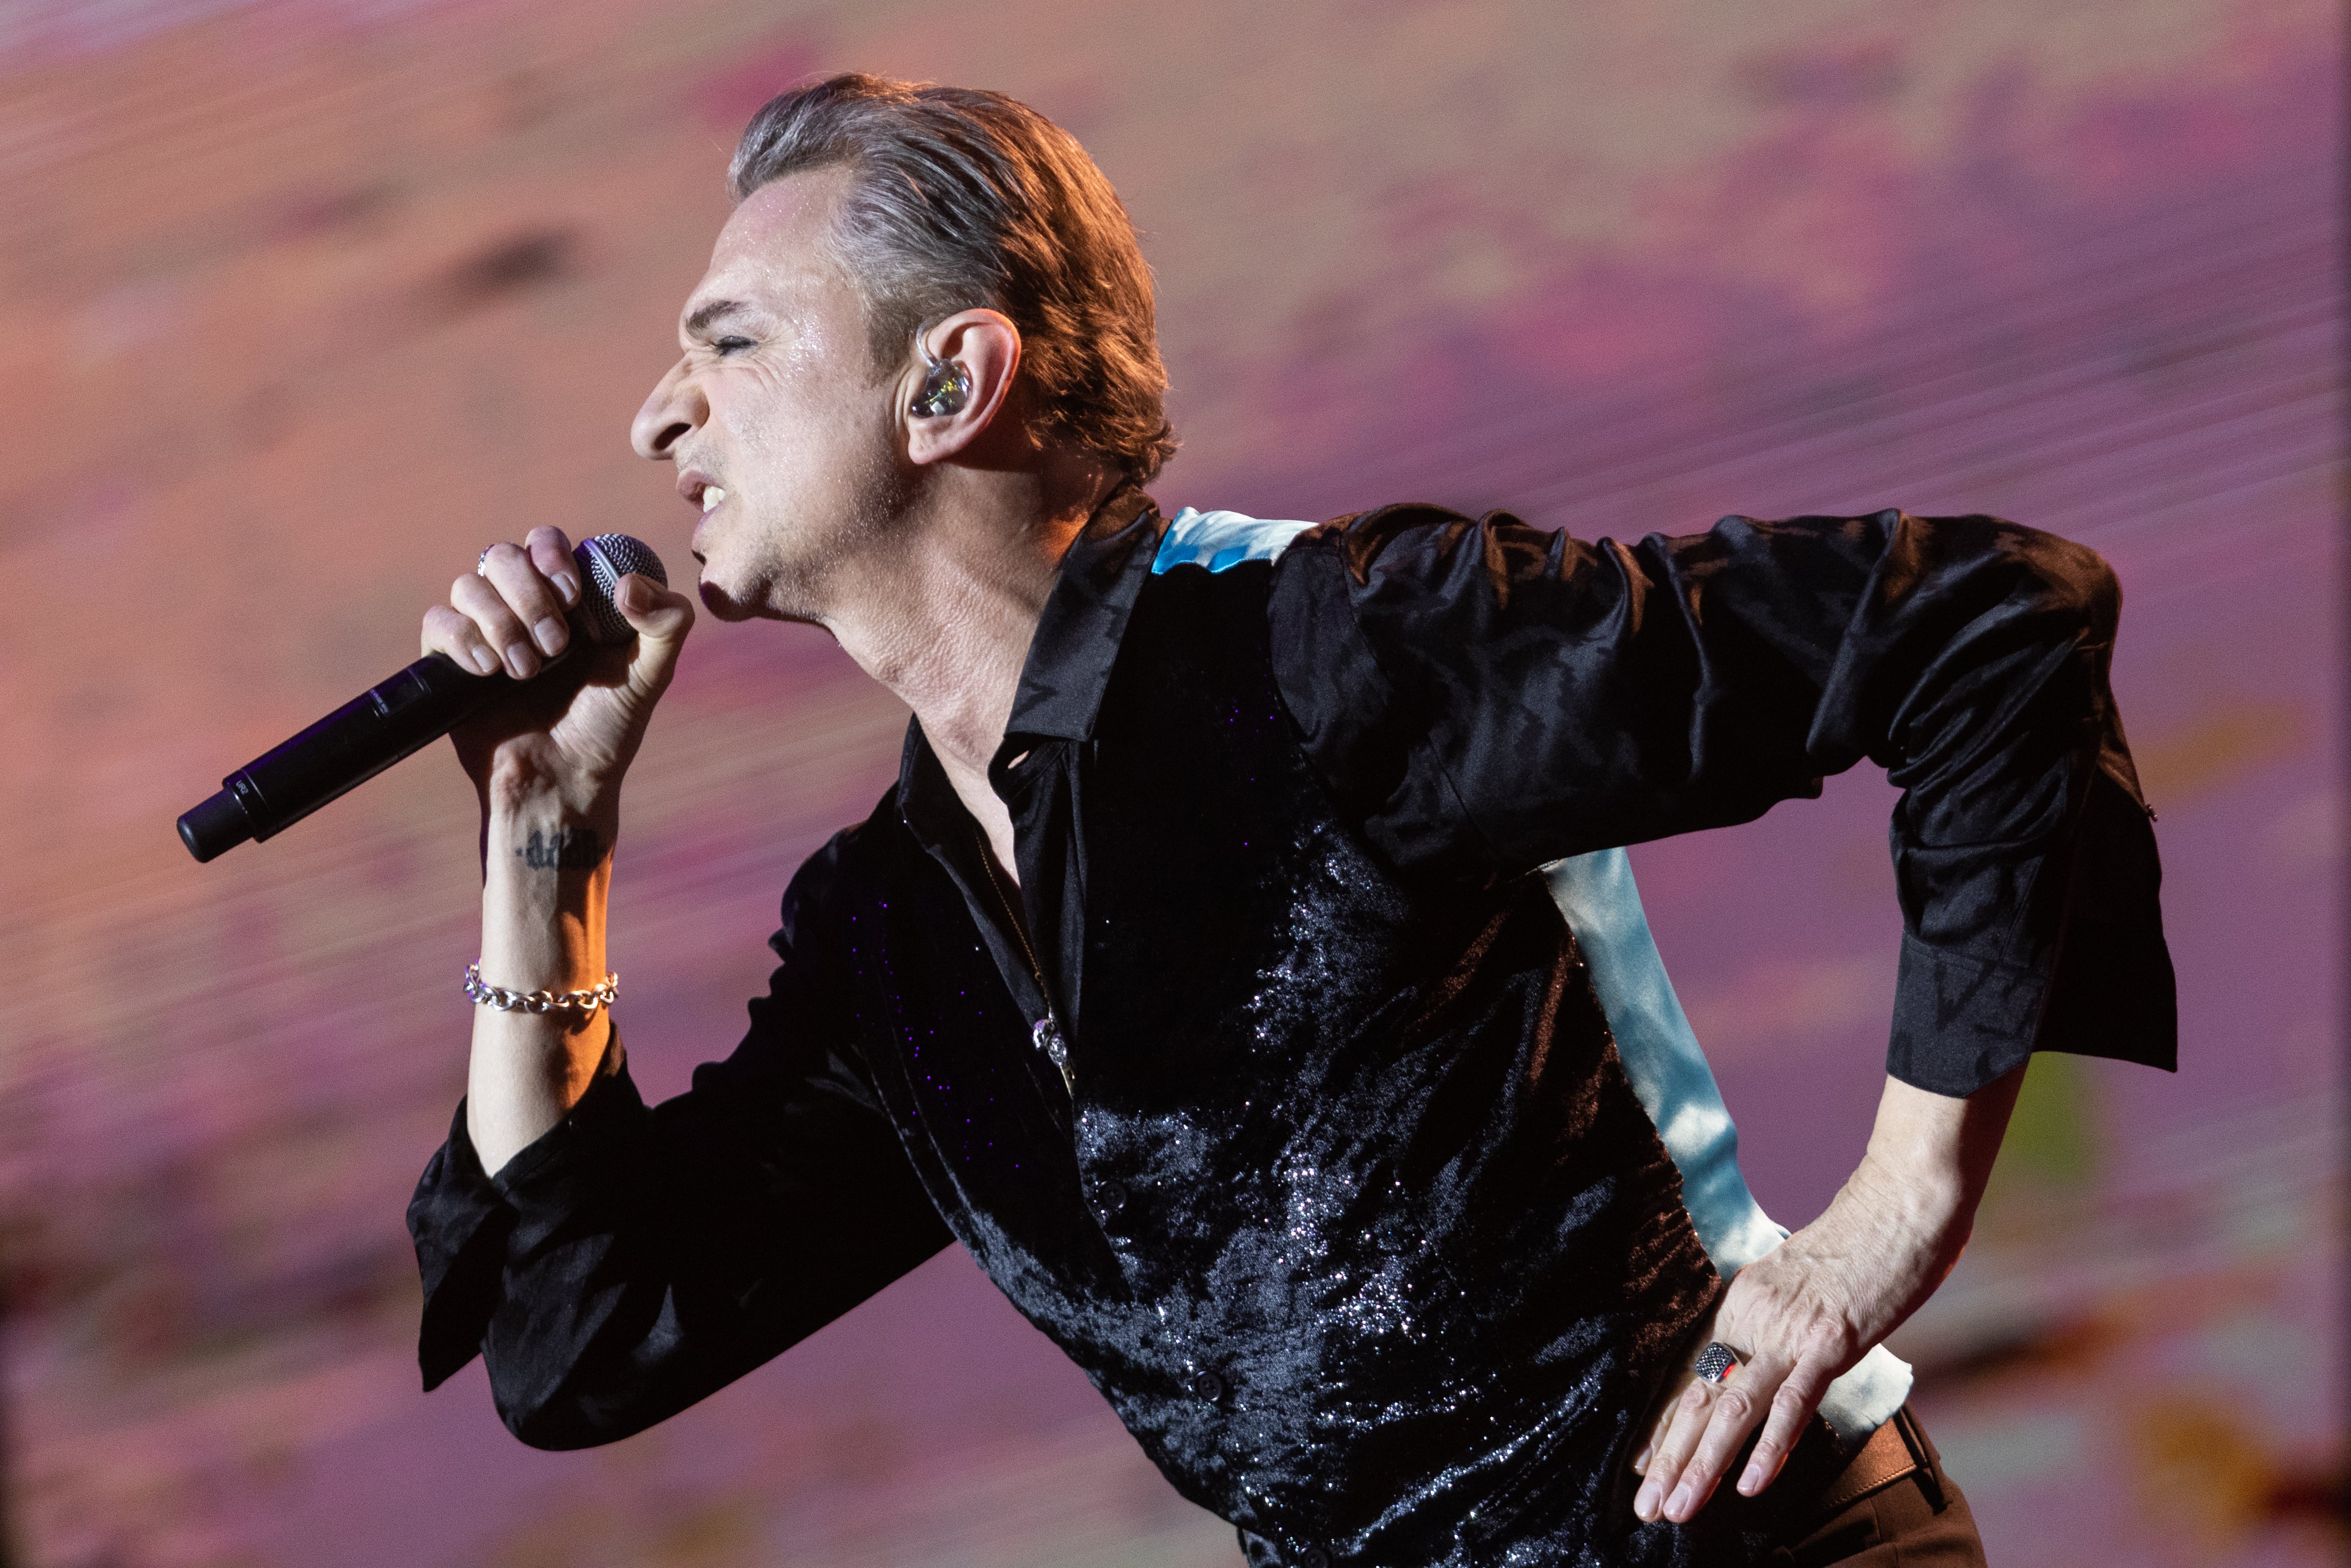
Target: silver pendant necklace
x: 1046, y: 1034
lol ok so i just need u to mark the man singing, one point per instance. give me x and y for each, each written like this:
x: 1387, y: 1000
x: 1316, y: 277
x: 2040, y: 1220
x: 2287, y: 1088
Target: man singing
x: 1245, y: 966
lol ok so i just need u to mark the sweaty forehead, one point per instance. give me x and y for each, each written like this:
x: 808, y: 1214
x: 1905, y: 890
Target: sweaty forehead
x: 776, y: 248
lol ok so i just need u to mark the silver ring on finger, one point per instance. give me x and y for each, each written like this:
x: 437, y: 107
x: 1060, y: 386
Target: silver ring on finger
x: 481, y: 560
x: 1714, y: 1362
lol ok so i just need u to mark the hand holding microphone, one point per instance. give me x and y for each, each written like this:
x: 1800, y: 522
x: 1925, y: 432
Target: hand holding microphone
x: 524, y: 608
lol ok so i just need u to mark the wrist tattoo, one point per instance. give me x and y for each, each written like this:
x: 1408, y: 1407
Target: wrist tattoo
x: 566, y: 849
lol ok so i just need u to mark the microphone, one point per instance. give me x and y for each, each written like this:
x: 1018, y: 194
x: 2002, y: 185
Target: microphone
x: 396, y: 718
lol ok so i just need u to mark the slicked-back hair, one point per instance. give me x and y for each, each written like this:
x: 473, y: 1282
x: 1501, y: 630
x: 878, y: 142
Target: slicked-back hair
x: 961, y: 199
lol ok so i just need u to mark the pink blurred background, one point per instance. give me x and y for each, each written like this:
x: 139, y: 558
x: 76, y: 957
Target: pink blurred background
x: 303, y: 303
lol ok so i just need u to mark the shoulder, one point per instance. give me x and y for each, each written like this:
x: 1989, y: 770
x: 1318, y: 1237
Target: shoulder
x: 1211, y: 580
x: 1411, y: 556
x: 850, y: 870
x: 1407, y: 537
x: 1321, y: 583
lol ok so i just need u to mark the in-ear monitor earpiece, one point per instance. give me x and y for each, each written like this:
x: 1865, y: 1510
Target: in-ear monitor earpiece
x: 945, y: 387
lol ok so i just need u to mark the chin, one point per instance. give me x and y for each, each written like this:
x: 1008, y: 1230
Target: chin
x: 721, y: 604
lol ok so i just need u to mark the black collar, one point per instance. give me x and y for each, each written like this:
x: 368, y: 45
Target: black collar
x: 1069, y: 658
x: 1084, y: 621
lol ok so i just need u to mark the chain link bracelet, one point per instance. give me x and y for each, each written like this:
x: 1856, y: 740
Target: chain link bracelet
x: 480, y: 990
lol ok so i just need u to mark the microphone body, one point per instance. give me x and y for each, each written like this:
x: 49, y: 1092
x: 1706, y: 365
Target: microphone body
x: 394, y: 718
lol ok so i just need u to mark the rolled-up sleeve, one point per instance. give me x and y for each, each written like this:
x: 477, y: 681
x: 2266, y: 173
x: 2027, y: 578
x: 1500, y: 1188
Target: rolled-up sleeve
x: 1484, y: 694
x: 633, y: 1259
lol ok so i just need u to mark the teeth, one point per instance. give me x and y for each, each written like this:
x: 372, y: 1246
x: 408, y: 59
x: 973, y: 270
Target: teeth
x: 711, y: 496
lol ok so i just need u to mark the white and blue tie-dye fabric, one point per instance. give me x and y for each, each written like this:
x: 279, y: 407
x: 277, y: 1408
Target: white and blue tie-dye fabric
x: 1221, y: 540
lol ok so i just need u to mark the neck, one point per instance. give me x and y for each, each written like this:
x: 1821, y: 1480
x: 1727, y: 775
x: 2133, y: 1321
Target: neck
x: 945, y: 618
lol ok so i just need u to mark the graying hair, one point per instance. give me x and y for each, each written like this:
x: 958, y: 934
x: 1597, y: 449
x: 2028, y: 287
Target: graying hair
x: 960, y: 199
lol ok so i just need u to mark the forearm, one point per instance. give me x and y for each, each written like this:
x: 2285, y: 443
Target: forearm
x: 546, y: 872
x: 1908, y: 1207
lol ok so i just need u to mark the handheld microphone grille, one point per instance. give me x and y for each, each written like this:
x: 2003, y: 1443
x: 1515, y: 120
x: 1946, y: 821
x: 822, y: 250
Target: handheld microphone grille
x: 605, y: 559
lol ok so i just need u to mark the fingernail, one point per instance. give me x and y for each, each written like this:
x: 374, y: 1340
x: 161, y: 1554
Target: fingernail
x: 1680, y: 1502
x: 568, y: 586
x: 521, y: 663
x: 1645, y: 1501
x: 550, y: 633
x: 1752, y: 1481
x: 630, y: 594
x: 485, y: 661
x: 1641, y: 1463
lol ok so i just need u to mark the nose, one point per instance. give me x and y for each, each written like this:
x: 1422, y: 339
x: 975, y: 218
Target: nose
x: 675, y: 410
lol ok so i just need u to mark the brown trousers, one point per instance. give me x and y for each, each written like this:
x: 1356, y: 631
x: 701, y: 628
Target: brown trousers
x: 1893, y: 1505
x: 1890, y: 1505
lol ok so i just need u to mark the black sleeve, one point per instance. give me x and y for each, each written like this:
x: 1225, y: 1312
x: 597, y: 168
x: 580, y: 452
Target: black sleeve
x: 631, y: 1260
x: 1485, y: 697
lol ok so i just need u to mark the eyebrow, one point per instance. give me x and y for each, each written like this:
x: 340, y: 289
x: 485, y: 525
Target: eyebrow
x: 715, y: 311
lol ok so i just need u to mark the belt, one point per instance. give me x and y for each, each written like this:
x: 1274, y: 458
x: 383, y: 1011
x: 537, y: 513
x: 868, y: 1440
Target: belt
x: 1895, y: 1449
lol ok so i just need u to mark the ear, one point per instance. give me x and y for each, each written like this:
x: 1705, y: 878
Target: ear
x: 985, y: 346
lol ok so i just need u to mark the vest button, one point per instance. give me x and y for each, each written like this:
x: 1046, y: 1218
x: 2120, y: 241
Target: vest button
x: 1208, y: 1385
x: 1310, y: 1557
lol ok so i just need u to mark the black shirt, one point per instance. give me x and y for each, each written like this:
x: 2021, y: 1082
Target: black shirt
x: 1347, y: 1203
